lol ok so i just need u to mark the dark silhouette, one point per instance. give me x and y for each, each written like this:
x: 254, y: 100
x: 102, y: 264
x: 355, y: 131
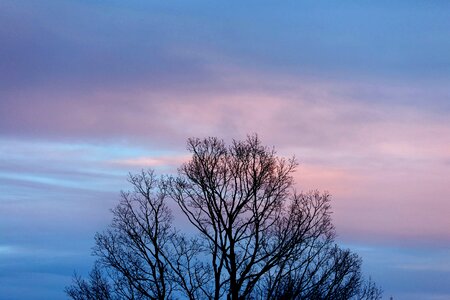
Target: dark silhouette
x: 256, y: 238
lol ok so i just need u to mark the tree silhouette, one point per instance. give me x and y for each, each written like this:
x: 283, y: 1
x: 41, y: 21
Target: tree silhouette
x: 256, y: 237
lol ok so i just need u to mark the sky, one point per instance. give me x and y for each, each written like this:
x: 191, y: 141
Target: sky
x: 358, y: 91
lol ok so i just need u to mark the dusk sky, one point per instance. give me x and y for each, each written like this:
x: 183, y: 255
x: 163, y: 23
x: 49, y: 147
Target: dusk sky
x: 358, y: 91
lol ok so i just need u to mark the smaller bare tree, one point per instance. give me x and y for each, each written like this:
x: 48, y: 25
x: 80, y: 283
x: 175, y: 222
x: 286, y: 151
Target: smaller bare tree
x: 96, y: 288
x: 133, y: 250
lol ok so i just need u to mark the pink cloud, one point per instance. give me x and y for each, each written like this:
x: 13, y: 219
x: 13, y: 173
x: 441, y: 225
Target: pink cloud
x: 170, y: 163
x: 386, y: 164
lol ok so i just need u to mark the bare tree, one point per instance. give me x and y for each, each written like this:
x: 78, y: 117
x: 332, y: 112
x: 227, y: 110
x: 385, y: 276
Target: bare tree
x: 97, y: 288
x: 256, y: 237
x: 133, y: 249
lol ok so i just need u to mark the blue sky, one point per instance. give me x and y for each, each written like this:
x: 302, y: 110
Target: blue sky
x: 358, y: 91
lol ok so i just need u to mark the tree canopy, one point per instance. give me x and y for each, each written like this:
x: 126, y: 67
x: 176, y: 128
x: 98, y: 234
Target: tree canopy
x: 253, y: 235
